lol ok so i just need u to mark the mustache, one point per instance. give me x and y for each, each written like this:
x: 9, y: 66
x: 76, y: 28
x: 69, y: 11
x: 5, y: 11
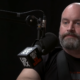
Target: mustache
x: 70, y: 34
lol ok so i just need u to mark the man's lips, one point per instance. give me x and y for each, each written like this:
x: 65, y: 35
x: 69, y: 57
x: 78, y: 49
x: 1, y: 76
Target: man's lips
x: 70, y: 36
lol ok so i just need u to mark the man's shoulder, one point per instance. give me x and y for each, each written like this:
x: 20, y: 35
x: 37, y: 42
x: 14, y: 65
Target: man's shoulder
x: 49, y: 61
x: 51, y: 56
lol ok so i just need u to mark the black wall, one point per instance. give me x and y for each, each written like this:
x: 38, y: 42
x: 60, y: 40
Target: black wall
x: 14, y: 37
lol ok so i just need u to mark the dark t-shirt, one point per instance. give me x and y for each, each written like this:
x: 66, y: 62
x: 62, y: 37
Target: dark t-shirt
x: 47, y: 69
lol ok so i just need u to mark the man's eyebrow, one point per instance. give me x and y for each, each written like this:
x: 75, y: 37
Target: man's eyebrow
x: 67, y: 19
x: 77, y: 20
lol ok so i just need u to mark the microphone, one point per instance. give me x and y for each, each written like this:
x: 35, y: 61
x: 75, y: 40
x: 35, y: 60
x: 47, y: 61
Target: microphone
x: 43, y: 27
x: 31, y: 56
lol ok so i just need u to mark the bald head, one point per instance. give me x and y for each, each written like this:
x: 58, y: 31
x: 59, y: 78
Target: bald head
x: 72, y: 8
x: 73, y: 4
x: 72, y: 11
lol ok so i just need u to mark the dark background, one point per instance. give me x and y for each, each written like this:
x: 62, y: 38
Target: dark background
x: 14, y: 37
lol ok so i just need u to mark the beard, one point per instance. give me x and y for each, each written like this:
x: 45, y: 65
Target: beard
x: 70, y: 42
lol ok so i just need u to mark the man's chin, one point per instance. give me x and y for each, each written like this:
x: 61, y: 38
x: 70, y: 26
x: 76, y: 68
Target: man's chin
x: 70, y: 44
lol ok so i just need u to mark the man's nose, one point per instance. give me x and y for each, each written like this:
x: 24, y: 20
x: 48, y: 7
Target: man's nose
x: 71, y: 27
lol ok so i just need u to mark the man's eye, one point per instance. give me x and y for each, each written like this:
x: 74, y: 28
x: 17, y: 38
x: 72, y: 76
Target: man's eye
x: 65, y: 22
x: 78, y: 23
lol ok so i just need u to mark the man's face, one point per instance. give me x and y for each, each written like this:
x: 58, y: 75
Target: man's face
x: 69, y: 34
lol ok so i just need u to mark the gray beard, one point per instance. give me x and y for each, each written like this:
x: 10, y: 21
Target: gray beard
x: 70, y: 43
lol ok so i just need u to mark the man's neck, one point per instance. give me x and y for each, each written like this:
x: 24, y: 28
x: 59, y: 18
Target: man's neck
x: 74, y: 53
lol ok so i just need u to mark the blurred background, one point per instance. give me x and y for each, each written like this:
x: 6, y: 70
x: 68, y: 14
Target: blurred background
x: 14, y: 37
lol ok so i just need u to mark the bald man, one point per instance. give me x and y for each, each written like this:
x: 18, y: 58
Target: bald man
x: 69, y: 36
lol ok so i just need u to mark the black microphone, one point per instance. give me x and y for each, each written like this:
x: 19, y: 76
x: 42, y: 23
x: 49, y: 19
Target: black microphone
x: 31, y: 56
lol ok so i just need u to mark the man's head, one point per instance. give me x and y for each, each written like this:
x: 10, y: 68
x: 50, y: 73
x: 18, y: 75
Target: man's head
x: 69, y: 34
